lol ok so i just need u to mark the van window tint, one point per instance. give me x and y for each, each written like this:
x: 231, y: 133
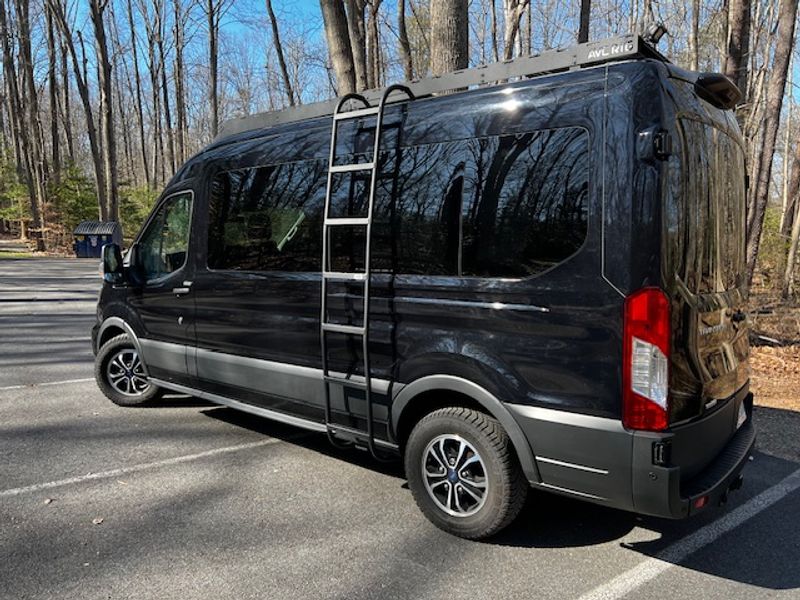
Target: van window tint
x: 418, y: 210
x: 710, y: 190
x: 525, y: 204
x: 267, y: 218
x: 162, y: 247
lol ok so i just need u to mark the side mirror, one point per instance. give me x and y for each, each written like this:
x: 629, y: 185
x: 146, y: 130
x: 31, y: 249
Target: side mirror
x: 133, y: 268
x: 113, y: 271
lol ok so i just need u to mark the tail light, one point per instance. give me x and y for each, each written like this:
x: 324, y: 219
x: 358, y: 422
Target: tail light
x: 646, y: 361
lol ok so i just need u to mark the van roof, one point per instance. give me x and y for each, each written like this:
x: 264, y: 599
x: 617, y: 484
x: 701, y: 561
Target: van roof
x: 590, y: 54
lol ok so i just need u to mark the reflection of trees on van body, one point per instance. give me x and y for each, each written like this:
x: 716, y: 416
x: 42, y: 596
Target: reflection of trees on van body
x: 267, y: 218
x: 417, y: 212
x: 528, y: 208
x: 522, y: 200
x: 706, y: 200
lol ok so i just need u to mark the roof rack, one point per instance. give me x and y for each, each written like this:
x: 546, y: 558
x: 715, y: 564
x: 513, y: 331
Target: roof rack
x: 552, y: 61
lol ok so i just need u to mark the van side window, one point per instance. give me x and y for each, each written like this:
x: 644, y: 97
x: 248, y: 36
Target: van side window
x: 163, y: 246
x: 525, y: 202
x: 418, y: 210
x: 416, y: 213
x: 267, y: 218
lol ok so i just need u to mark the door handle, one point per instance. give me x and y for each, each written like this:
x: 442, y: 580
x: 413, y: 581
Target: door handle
x: 180, y: 291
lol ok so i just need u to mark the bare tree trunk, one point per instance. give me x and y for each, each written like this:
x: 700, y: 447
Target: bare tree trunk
x: 4, y: 135
x: 694, y: 42
x: 12, y: 97
x: 358, y: 43
x: 180, y: 92
x: 777, y: 85
x: 160, y: 10
x: 32, y: 137
x: 514, y: 10
x: 158, y: 141
x: 139, y: 104
x: 66, y: 114
x: 529, y: 27
x: 12, y: 102
x: 109, y: 147
x: 788, y: 274
x: 124, y: 122
x: 789, y: 220
x: 449, y: 36
x: 495, y: 53
x: 213, y: 14
x: 276, y: 42
x: 739, y: 43
x: 373, y: 46
x: 339, y: 49
x: 786, y: 205
x: 647, y: 15
x: 723, y: 37
x: 120, y: 53
x: 583, y: 30
x: 405, y: 46
x: 52, y: 77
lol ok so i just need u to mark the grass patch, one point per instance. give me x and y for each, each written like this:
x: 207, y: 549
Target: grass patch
x: 10, y: 254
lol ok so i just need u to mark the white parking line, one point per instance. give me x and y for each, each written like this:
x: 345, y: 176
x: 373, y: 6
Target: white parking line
x: 35, y: 385
x: 137, y: 468
x: 678, y: 552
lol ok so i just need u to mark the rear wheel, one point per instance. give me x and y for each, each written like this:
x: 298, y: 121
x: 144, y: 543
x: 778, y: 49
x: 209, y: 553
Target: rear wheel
x: 120, y: 374
x: 463, y: 473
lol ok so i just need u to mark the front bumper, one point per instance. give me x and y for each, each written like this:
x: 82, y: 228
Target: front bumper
x: 659, y: 490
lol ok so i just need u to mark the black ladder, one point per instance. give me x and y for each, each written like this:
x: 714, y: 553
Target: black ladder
x: 326, y: 326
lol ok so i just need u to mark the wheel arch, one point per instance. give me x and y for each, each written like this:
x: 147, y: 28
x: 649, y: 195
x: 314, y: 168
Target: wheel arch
x: 409, y: 405
x: 113, y: 326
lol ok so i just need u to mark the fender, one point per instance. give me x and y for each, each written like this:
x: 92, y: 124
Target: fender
x: 118, y: 322
x: 488, y: 401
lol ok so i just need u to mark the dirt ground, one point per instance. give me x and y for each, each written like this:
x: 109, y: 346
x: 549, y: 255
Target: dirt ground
x: 776, y: 376
x: 775, y: 350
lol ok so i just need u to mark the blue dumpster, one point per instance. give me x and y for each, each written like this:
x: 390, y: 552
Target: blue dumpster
x: 91, y: 236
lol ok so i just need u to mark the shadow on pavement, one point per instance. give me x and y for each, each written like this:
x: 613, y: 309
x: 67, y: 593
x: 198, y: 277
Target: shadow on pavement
x: 762, y: 552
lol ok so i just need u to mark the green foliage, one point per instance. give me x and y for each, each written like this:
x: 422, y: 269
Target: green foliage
x: 73, y: 199
x: 14, y: 203
x: 773, y: 248
x: 135, y: 204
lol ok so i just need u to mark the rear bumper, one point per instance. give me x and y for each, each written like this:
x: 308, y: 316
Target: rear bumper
x: 659, y: 490
x: 598, y: 460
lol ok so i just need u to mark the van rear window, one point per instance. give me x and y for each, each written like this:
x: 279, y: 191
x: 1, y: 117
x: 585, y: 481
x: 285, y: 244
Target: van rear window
x: 706, y: 223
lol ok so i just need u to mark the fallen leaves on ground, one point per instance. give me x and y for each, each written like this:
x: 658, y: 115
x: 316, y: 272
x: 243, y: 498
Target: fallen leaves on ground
x: 775, y: 380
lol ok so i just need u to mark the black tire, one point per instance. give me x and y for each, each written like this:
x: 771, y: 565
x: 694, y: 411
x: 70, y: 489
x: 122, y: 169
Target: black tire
x: 139, y: 393
x: 505, y: 486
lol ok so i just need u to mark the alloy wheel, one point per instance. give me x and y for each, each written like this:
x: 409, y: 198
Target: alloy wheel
x: 455, y: 475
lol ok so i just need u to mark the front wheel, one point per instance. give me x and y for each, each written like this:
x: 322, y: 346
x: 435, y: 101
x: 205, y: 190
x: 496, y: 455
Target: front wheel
x: 120, y: 375
x: 463, y: 472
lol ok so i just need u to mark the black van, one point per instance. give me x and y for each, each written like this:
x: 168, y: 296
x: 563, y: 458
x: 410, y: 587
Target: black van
x: 527, y: 274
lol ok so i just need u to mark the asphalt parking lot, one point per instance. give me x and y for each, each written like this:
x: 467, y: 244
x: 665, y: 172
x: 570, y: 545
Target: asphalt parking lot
x: 189, y: 500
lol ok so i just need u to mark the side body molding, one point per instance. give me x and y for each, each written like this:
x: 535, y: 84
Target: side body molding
x: 488, y: 401
x: 122, y: 324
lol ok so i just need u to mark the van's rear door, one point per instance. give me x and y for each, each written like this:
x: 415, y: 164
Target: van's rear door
x: 704, y: 261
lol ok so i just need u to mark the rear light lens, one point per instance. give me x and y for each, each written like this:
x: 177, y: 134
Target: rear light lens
x: 645, y: 404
